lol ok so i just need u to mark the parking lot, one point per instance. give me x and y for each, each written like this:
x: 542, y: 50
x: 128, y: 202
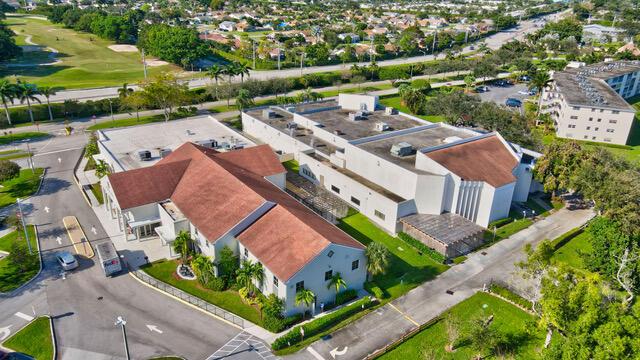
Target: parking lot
x: 499, y: 94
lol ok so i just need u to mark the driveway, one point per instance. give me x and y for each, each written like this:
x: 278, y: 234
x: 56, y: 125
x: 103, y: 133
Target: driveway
x: 427, y: 301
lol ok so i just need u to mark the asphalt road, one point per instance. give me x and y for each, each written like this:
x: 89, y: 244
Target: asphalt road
x: 493, y: 42
x: 84, y: 303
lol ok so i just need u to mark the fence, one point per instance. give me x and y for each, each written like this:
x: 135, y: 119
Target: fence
x: 210, y: 308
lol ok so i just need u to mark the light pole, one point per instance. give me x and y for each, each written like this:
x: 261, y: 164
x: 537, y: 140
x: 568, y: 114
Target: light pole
x: 24, y: 226
x: 30, y: 160
x: 301, y: 62
x: 111, y: 109
x: 144, y: 65
x: 122, y: 322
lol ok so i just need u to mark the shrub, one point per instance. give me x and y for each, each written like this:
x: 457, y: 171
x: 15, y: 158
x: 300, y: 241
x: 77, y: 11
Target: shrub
x: 509, y: 295
x: 216, y: 284
x: 422, y: 247
x: 345, y: 296
x: 8, y: 170
x: 500, y: 223
x: 293, y: 319
x: 273, y: 324
x: 375, y: 290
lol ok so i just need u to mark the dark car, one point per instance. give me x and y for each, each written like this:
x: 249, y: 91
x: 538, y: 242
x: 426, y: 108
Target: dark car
x: 512, y: 102
x: 482, y: 88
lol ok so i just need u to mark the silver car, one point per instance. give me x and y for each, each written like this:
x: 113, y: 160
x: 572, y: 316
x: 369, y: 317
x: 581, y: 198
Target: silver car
x: 67, y: 260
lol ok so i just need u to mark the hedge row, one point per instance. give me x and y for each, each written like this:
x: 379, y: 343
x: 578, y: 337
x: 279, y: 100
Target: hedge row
x: 566, y: 237
x: 500, y: 223
x: 422, y: 247
x: 321, y: 324
x: 510, y: 295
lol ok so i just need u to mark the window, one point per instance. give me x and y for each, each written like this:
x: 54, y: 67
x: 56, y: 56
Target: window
x: 571, y: 126
x: 308, y: 173
x: 615, y: 112
x: 607, y: 140
x: 328, y: 275
x: 601, y: 110
x: 586, y: 137
x: 335, y: 189
x: 299, y: 286
x: 588, y: 127
x: 355, y: 201
x: 246, y: 252
x: 275, y: 281
x: 613, y: 121
x: 590, y: 119
x: 599, y: 120
x: 573, y: 117
x: 355, y: 264
x: 148, y: 230
x: 596, y: 129
x: 379, y: 214
x: 576, y: 108
x: 610, y: 130
x: 593, y: 109
x: 593, y: 138
x: 330, y: 253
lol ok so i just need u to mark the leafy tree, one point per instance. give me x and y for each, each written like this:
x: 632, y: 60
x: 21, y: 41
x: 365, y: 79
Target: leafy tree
x: 92, y: 146
x: 176, y: 44
x: 337, y: 282
x: 215, y: 73
x: 47, y: 92
x: 19, y: 256
x: 469, y: 81
x: 481, y: 335
x: 306, y: 297
x: 227, y: 263
x: 165, y: 92
x: 452, y: 327
x: 8, y: 93
x: 102, y: 169
x: 203, y: 267
x: 414, y: 99
x: 555, y: 169
x: 135, y: 101
x: 273, y: 306
x: 182, y: 245
x: 8, y: 48
x: 244, y: 99
x: 27, y: 93
x: 377, y: 258
x: 8, y: 170
x: 485, y: 69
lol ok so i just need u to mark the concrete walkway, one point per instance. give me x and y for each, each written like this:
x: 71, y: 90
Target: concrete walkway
x: 427, y: 301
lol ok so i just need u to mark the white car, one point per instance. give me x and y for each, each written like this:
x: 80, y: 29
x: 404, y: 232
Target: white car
x: 67, y: 260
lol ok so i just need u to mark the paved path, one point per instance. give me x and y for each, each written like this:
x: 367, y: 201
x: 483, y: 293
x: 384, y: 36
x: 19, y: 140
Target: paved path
x: 427, y: 301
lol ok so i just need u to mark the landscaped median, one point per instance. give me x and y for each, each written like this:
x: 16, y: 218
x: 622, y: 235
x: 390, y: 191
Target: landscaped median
x: 18, y: 267
x: 25, y: 185
x: 9, y: 137
x: 34, y: 340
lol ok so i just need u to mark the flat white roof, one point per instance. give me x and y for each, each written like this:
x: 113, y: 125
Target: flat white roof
x: 123, y: 144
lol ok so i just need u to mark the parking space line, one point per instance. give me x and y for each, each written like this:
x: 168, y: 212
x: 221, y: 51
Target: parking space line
x: 24, y: 316
x: 315, y: 354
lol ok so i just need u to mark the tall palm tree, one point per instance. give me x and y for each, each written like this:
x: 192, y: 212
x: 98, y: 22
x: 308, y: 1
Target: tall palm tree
x: 215, y: 72
x: 231, y: 71
x: 47, y: 92
x: 124, y: 91
x: 27, y: 93
x: 242, y: 69
x: 337, y: 282
x: 305, y: 296
x: 257, y: 275
x: 244, y: 99
x: 539, y: 80
x: 182, y: 245
x: 377, y: 258
x: 7, y: 94
x: 244, y: 274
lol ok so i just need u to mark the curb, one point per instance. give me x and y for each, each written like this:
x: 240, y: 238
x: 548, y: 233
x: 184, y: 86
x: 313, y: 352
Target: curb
x: 131, y: 273
x: 75, y: 178
x: 54, y: 341
x: 10, y: 293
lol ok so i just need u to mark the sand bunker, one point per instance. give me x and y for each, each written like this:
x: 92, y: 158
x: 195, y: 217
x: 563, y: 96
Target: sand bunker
x: 123, y: 48
x: 154, y: 63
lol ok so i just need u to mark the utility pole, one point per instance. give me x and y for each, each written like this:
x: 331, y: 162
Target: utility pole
x: 120, y: 321
x: 24, y: 226
x: 111, y: 109
x: 433, y: 47
x: 144, y: 65
x: 30, y: 160
x: 301, y: 62
x: 466, y: 36
x: 254, y: 54
x: 279, y: 56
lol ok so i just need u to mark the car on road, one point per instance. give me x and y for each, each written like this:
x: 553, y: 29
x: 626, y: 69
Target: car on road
x: 513, y: 102
x: 482, y: 89
x: 525, y: 78
x: 67, y: 260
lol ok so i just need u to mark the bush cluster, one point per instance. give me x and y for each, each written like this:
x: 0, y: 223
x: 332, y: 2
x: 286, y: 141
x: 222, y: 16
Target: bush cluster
x: 422, y: 247
x: 346, y: 296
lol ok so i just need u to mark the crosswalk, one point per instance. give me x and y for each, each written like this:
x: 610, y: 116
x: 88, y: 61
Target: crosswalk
x: 244, y: 345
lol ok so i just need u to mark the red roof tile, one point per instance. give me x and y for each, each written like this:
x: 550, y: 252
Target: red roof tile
x: 485, y: 159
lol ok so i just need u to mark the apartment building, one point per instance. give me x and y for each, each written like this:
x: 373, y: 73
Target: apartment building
x: 390, y: 165
x: 589, y: 102
x: 236, y: 199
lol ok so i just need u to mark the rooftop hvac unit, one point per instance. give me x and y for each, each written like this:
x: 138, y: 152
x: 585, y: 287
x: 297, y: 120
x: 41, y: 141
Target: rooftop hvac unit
x: 268, y: 114
x: 209, y: 143
x: 164, y: 153
x: 144, y: 155
x: 290, y: 108
x: 292, y: 125
x: 382, y: 126
x: 359, y: 115
x: 389, y: 111
x: 402, y: 149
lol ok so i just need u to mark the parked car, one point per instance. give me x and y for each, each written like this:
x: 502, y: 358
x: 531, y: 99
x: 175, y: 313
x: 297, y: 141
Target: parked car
x: 482, y: 88
x: 525, y: 78
x: 524, y: 92
x: 67, y: 260
x: 502, y: 82
x: 513, y: 102
x: 472, y: 47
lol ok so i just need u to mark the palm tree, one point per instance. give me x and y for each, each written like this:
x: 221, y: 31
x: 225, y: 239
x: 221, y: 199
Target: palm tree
x: 242, y: 70
x: 7, y: 94
x: 203, y: 267
x: 257, y: 275
x: 215, y: 72
x: 182, y: 245
x: 27, y: 93
x: 305, y: 296
x: 337, y: 282
x: 124, y: 91
x: 377, y: 258
x: 244, y: 99
x: 47, y: 92
x: 539, y: 81
x: 244, y: 274
x: 230, y: 71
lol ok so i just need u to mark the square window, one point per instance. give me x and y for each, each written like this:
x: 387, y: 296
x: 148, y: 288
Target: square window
x: 613, y: 121
x: 246, y: 252
x: 590, y: 119
x: 593, y: 138
x: 328, y: 275
x: 586, y: 136
x: 599, y: 120
x: 379, y: 214
x: 615, y: 112
x: 330, y: 253
x: 275, y: 281
x: 597, y: 129
x: 588, y: 127
x: 355, y: 200
x: 299, y: 286
x: 335, y: 189
x: 355, y: 264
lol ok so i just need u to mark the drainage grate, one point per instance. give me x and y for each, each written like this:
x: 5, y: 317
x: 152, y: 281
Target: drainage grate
x: 484, y: 253
x: 450, y: 292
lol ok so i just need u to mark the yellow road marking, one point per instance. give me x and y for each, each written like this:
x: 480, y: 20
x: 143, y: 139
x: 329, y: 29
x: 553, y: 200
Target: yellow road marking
x: 404, y: 314
x: 77, y: 236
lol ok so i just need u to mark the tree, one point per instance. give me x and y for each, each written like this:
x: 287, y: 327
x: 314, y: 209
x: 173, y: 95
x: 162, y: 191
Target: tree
x: 244, y: 99
x: 273, y: 306
x: 485, y: 69
x: 227, y: 264
x: 135, y: 101
x: 165, y: 92
x: 414, y: 100
x: 102, y: 169
x: 203, y: 267
x: 241, y: 69
x: 534, y: 269
x: 337, y: 282
x: 47, y: 92
x: 19, y: 256
x: 7, y: 94
x: 92, y: 146
x: 177, y: 44
x: 8, y: 48
x: 244, y: 275
x: 481, y: 335
x: 306, y: 297
x: 539, y: 81
x: 469, y: 81
x: 557, y: 166
x: 8, y: 170
x: 124, y: 91
x: 452, y: 327
x: 377, y: 258
x: 231, y: 71
x: 182, y: 245
x: 27, y: 93
x: 215, y: 73
x: 626, y: 274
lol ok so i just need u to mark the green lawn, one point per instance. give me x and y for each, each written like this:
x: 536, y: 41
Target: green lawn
x: 97, y: 192
x: 86, y: 59
x: 507, y: 230
x: 542, y: 211
x: 508, y: 320
x: 164, y: 270
x: 24, y: 185
x: 396, y: 103
x: 9, y: 138
x: 33, y: 340
x: 134, y: 121
x: 569, y: 253
x: 10, y: 276
x: 407, y: 268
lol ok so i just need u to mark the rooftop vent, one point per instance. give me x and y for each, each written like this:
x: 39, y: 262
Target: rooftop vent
x: 209, y: 143
x: 164, y: 152
x: 382, y: 126
x: 402, y: 149
x: 292, y: 125
x: 451, y: 139
x: 390, y: 111
x: 144, y: 155
x: 268, y: 114
x: 358, y: 115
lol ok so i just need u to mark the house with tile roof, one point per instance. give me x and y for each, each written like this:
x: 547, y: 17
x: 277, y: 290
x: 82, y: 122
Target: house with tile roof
x: 236, y: 199
x: 389, y: 165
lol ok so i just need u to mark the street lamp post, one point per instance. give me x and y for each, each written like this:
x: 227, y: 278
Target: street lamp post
x: 30, y: 159
x: 122, y: 322
x: 111, y: 109
x: 24, y: 226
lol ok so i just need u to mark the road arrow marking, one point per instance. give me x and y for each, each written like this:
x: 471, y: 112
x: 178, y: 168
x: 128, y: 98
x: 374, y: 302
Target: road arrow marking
x: 46, y: 209
x: 59, y: 240
x: 315, y: 354
x: 24, y: 316
x: 5, y: 332
x: 59, y: 160
x: 153, y: 328
x: 93, y: 230
x: 335, y: 352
